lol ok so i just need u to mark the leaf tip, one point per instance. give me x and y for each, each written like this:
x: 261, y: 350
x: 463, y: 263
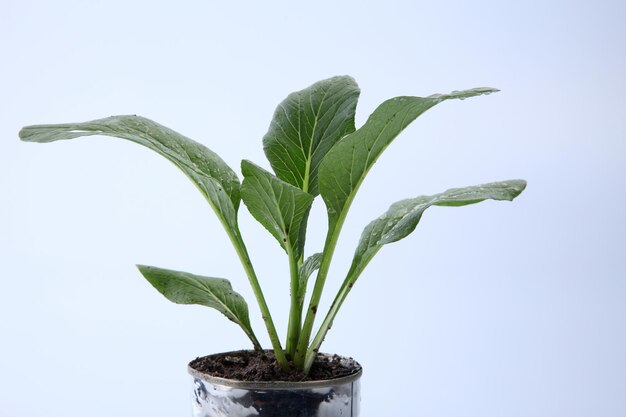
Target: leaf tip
x: 488, y: 90
x: 28, y: 134
x: 519, y: 186
x: 246, y: 164
x: 22, y: 134
x: 144, y: 269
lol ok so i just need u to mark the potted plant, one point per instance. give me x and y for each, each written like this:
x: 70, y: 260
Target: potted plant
x: 314, y: 150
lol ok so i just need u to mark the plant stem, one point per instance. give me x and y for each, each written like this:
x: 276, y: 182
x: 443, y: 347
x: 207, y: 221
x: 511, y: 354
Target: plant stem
x: 334, y: 230
x: 295, y: 312
x: 327, y: 255
x: 346, y: 287
x: 240, y: 247
x: 253, y: 339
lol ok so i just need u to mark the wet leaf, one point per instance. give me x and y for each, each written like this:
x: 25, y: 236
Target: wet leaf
x: 216, y: 180
x: 397, y: 223
x: 348, y: 162
x: 306, y: 125
x: 279, y: 206
x: 217, y: 293
x: 310, y: 265
x: 402, y: 217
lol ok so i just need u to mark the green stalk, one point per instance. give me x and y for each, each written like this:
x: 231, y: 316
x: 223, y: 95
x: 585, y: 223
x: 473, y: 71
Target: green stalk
x: 240, y: 248
x: 343, y: 292
x: 295, y: 312
x: 318, y: 289
x: 334, y: 229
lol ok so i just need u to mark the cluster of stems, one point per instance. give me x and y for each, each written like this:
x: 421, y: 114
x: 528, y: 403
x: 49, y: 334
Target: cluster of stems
x: 298, y: 352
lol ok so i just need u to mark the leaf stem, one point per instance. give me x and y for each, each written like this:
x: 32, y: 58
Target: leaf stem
x: 240, y: 248
x: 295, y: 311
x: 346, y: 287
x: 329, y: 249
x: 253, y: 339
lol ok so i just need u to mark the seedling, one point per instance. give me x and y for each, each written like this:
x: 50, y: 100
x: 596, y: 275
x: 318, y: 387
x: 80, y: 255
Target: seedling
x: 314, y: 149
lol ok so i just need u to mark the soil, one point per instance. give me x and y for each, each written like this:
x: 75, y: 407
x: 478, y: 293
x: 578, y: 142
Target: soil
x: 261, y: 366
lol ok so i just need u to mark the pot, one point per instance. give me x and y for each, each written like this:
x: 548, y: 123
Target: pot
x: 220, y: 397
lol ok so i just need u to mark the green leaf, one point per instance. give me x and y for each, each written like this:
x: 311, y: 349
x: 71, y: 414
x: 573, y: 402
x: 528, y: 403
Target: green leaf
x: 280, y: 207
x: 305, y: 127
x: 345, y: 166
x: 348, y: 162
x: 216, y: 180
x: 185, y: 288
x: 310, y: 265
x: 402, y: 217
x: 398, y: 222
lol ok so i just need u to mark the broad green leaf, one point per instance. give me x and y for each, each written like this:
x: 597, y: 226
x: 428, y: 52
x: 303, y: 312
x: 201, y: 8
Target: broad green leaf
x: 402, y: 217
x: 306, y: 125
x: 279, y: 206
x: 216, y: 180
x: 348, y: 162
x: 398, y: 222
x: 310, y: 265
x: 185, y: 288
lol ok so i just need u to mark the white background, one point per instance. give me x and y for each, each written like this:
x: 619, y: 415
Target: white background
x: 497, y: 309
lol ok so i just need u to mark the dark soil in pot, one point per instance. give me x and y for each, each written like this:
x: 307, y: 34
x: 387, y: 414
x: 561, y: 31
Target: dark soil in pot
x: 261, y: 366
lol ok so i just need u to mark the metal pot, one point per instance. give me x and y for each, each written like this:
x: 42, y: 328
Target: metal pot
x: 220, y: 397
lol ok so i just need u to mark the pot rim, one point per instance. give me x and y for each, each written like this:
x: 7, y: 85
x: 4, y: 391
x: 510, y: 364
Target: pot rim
x: 277, y: 385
